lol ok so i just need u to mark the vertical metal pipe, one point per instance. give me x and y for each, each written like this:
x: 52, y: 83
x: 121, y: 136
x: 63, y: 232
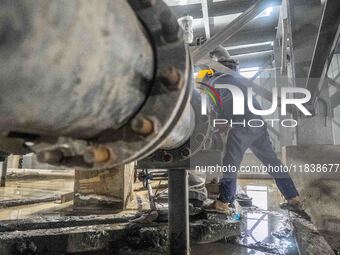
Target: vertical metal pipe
x: 3, y: 173
x: 178, y: 212
x: 284, y: 46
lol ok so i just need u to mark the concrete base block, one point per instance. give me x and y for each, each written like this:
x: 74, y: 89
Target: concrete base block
x: 106, y: 189
x: 319, y: 192
x: 308, y: 239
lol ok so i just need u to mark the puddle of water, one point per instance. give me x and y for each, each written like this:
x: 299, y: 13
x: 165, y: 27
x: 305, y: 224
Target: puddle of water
x: 265, y: 227
x: 223, y: 248
x: 33, y: 211
x: 35, y: 187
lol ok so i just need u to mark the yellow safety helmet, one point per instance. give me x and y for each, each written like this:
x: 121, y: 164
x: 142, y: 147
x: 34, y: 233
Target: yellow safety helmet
x: 203, y: 73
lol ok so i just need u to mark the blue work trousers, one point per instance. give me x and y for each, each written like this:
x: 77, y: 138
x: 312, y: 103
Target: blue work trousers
x: 258, y: 141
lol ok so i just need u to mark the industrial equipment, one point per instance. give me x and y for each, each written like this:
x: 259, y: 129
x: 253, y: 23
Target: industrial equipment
x: 93, y: 85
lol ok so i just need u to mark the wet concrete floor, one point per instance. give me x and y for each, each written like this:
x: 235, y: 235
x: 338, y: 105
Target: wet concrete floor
x: 34, y: 187
x: 265, y: 229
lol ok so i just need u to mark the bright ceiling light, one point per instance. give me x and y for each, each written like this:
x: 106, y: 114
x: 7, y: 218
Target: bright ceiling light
x: 181, y: 2
x: 250, y: 45
x: 266, y: 13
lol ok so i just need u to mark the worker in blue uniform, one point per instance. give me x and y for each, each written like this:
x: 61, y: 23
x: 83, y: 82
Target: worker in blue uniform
x: 242, y: 137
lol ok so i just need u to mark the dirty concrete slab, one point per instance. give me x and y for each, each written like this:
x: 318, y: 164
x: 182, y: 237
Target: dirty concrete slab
x: 33, y: 210
x: 224, y: 248
x: 120, y: 236
x: 333, y: 238
x: 59, y: 241
x: 308, y: 238
x: 57, y: 221
x: 264, y: 230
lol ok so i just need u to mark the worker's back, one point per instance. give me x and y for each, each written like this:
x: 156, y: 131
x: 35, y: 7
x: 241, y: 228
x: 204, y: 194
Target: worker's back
x: 226, y: 111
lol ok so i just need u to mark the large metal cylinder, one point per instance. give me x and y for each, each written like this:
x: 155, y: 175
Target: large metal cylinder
x: 182, y: 130
x: 72, y: 68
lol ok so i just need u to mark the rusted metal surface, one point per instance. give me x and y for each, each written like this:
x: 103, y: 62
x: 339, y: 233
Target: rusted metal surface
x: 142, y: 125
x: 76, y: 79
x: 71, y: 66
x: 171, y: 78
x: 99, y: 154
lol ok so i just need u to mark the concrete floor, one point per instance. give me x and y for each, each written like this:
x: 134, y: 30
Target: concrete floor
x: 34, y: 186
x: 257, y: 224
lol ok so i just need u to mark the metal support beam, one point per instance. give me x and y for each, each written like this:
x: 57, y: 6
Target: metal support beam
x: 250, y: 37
x: 326, y: 43
x: 254, y: 77
x: 178, y: 212
x: 246, y: 49
x: 333, y: 83
x: 206, y: 18
x: 254, y: 59
x: 3, y: 173
x: 274, y: 131
x: 335, y: 99
x: 230, y: 29
x: 284, y: 46
x: 337, y: 76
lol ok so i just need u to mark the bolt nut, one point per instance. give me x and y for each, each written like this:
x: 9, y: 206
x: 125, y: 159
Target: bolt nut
x: 51, y: 157
x: 171, y: 31
x: 142, y: 126
x: 186, y: 152
x: 199, y: 138
x: 171, y: 78
x: 167, y: 157
x: 97, y: 155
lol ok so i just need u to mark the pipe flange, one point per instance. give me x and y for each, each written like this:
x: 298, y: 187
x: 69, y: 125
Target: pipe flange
x: 197, y: 142
x: 168, y: 94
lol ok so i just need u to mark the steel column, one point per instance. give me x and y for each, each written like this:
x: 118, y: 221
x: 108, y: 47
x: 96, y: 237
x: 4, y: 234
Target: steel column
x: 284, y: 46
x: 206, y: 18
x: 326, y: 43
x: 3, y: 173
x: 178, y: 212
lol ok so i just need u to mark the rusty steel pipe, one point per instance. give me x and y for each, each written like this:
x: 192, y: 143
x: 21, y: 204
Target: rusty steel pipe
x: 72, y: 68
